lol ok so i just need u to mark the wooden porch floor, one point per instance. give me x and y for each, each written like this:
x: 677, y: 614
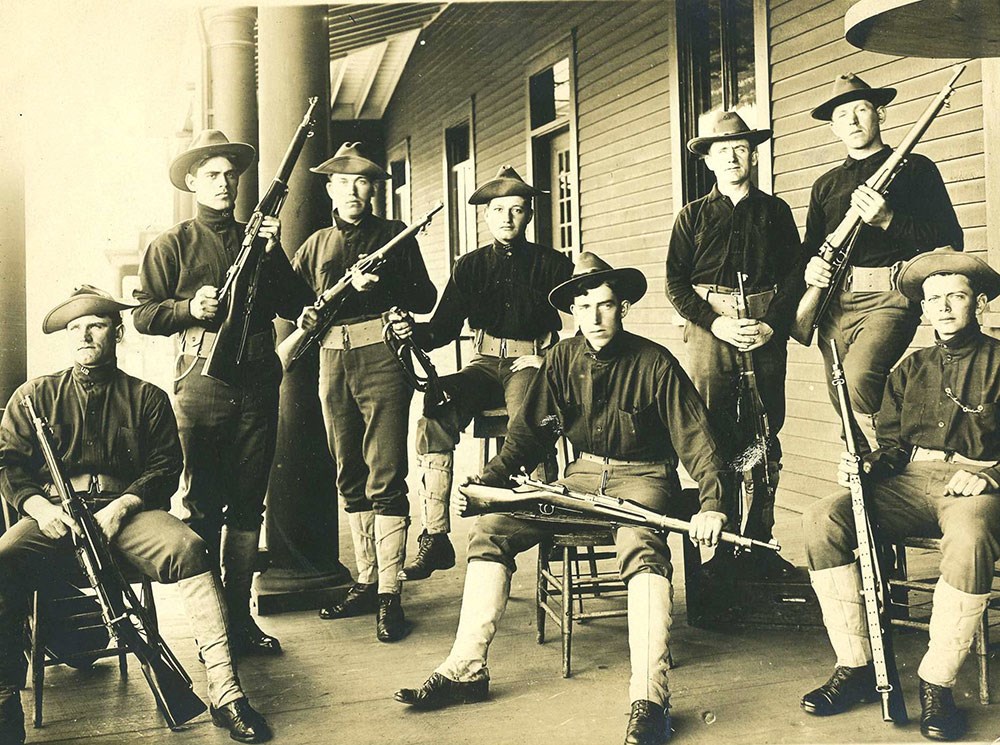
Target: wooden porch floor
x: 334, y: 683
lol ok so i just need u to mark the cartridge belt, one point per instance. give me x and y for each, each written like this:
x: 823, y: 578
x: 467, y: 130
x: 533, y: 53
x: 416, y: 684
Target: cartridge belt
x: 503, y: 348
x: 871, y: 278
x: 609, y: 461
x: 82, y: 482
x: 198, y: 341
x: 354, y: 335
x: 722, y: 300
x: 923, y: 454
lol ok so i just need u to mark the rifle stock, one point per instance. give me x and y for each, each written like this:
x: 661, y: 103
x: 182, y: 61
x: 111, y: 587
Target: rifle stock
x: 122, y: 612
x: 839, y: 245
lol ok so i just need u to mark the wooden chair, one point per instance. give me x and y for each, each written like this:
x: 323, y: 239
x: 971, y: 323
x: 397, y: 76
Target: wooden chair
x: 912, y: 598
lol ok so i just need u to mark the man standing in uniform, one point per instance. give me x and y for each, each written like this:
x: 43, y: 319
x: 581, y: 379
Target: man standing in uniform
x: 117, y: 440
x: 365, y: 396
x: 629, y: 410
x: 736, y: 229
x: 935, y: 474
x: 502, y: 290
x: 228, y: 432
x: 872, y: 324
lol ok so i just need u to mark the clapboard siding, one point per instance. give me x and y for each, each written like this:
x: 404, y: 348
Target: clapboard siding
x: 807, y: 52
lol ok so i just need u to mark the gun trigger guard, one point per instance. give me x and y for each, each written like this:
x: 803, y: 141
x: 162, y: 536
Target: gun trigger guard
x: 546, y: 509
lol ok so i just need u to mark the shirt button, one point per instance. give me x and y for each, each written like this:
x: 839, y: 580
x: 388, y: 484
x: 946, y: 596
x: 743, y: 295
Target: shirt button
x: 598, y: 429
x: 940, y: 424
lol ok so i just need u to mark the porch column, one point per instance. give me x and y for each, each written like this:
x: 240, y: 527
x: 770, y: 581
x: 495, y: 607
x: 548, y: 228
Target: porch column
x: 233, y: 87
x: 301, y: 520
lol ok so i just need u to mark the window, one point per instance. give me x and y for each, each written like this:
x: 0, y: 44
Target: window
x: 461, y: 175
x: 717, y: 62
x: 399, y: 182
x: 552, y: 153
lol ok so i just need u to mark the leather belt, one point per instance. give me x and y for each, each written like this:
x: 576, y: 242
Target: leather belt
x: 354, y: 335
x: 503, y: 348
x: 197, y: 342
x: 609, y: 461
x: 871, y: 278
x: 924, y: 454
x: 722, y: 300
x: 81, y: 483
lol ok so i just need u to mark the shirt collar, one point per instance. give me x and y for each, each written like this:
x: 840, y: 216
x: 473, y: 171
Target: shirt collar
x: 99, y: 375
x: 715, y: 194
x: 500, y: 248
x: 963, y: 343
x: 217, y: 220
x: 345, y: 225
x: 612, y: 350
x: 851, y: 163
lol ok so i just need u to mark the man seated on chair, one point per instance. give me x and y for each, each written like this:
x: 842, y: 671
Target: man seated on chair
x: 117, y: 440
x: 934, y: 474
x: 629, y: 410
x: 501, y: 289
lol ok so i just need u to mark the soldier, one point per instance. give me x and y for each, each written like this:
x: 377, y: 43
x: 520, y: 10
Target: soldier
x: 501, y: 289
x: 934, y: 474
x: 737, y: 228
x: 117, y: 439
x: 228, y: 433
x: 365, y: 396
x: 629, y: 410
x: 872, y: 324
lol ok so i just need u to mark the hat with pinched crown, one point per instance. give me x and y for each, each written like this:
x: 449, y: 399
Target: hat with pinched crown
x: 631, y: 283
x: 507, y: 183
x: 351, y: 160
x: 86, y: 300
x: 207, y: 144
x: 946, y: 260
x: 720, y: 126
x: 848, y: 88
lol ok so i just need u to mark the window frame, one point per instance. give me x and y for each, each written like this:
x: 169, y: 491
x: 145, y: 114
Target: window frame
x: 463, y: 113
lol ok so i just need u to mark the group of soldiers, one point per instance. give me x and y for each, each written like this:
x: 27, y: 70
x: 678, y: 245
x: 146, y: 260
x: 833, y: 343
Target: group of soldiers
x: 628, y: 408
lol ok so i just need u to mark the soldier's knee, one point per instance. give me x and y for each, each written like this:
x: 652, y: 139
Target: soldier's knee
x: 642, y: 550
x: 189, y: 557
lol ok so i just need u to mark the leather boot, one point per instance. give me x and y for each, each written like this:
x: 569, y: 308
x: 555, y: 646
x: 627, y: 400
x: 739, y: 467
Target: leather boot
x: 845, y: 688
x: 206, y: 609
x: 648, y: 724
x: 439, y: 691
x: 838, y: 590
x: 390, y: 623
x: 11, y: 717
x: 650, y: 602
x: 244, y: 723
x: 359, y: 601
x: 239, y: 554
x: 434, y: 552
x: 940, y: 719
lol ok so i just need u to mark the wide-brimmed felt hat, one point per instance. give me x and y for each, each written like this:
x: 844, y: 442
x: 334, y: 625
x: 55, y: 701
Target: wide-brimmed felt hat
x: 720, y: 126
x: 86, y: 300
x: 351, y: 160
x: 850, y: 87
x: 946, y: 260
x: 631, y: 283
x: 207, y: 144
x: 507, y: 183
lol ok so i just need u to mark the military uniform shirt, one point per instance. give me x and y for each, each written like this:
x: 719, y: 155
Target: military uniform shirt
x: 329, y: 253
x: 918, y: 412
x: 629, y: 401
x: 502, y: 290
x: 923, y: 218
x: 103, y: 421
x: 712, y: 240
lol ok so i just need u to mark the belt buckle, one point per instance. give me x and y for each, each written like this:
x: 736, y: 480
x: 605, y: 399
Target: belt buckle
x: 94, y: 488
x: 503, y: 349
x: 345, y: 336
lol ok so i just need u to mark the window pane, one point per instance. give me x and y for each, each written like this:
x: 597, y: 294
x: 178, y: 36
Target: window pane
x: 549, y: 93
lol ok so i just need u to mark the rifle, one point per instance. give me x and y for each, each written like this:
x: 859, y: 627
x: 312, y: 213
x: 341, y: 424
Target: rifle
x: 236, y: 297
x: 752, y: 461
x: 418, y: 369
x: 124, y: 616
x: 875, y: 587
x: 839, y: 245
x: 559, y: 503
x: 297, y: 343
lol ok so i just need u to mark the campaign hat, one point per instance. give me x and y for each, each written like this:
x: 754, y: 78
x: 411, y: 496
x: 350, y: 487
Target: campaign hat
x: 507, y: 183
x: 720, y: 126
x: 589, y: 267
x: 86, y: 300
x: 850, y: 87
x: 210, y: 143
x: 351, y: 160
x: 946, y: 260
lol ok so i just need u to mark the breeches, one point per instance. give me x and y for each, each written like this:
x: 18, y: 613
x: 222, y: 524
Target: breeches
x: 228, y: 434
x: 913, y: 504
x: 366, y: 408
x: 500, y: 538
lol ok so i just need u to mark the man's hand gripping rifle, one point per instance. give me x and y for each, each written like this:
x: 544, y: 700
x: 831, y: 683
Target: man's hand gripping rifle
x: 559, y: 503
x: 874, y: 586
x: 124, y: 616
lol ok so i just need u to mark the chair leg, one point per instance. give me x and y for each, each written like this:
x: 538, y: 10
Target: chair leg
x: 569, y: 554
x: 37, y: 661
x: 541, y: 591
x: 592, y: 560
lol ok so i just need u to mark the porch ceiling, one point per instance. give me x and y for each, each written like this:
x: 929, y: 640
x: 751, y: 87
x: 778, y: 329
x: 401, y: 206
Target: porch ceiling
x: 369, y: 46
x: 925, y: 28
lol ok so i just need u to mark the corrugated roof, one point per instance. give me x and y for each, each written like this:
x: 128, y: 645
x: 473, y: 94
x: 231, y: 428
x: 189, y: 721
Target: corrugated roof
x: 359, y: 25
